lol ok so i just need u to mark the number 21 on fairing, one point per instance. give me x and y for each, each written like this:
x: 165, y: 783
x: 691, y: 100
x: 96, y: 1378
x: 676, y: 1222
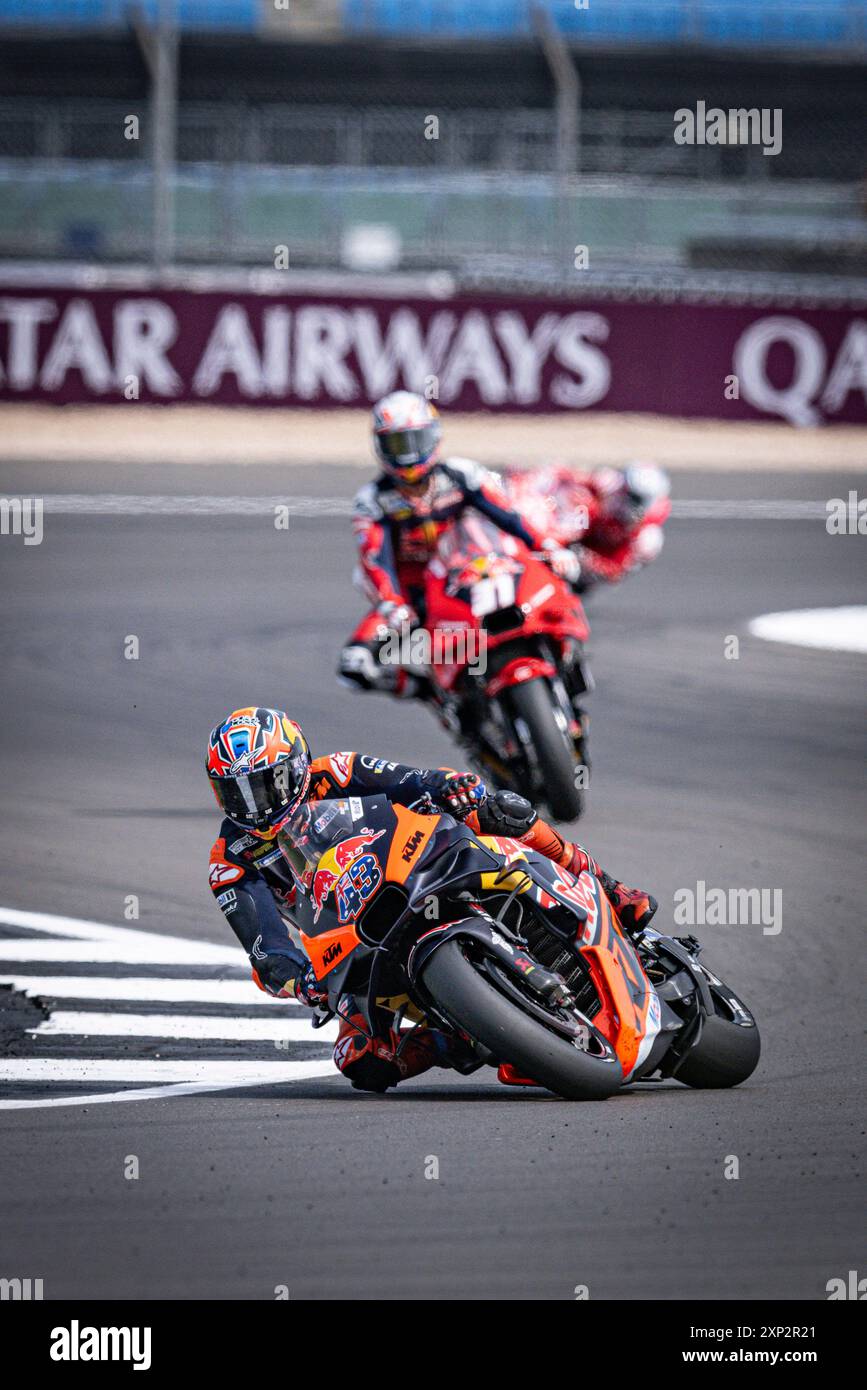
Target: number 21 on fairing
x: 489, y: 595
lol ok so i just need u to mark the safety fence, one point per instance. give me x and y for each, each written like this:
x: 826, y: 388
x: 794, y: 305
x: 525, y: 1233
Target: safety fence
x: 469, y: 224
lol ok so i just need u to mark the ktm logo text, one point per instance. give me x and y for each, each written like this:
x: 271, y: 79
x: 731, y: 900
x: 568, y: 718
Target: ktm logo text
x: 411, y: 846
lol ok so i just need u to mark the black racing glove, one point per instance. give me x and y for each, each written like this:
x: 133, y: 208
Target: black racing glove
x: 458, y: 793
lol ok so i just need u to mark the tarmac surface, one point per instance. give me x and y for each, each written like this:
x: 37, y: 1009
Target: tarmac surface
x: 734, y: 773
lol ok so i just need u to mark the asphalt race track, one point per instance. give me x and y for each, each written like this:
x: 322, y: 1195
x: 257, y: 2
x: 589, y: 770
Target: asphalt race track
x: 738, y: 773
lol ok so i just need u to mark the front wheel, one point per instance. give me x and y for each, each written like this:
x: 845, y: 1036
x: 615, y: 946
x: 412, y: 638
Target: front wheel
x: 547, y: 746
x: 728, y: 1047
x: 517, y: 1034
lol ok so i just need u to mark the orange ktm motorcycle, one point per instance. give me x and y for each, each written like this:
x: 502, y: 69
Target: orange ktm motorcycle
x: 419, y: 919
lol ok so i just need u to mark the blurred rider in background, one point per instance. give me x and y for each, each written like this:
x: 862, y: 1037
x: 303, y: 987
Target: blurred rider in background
x: 610, y: 518
x: 398, y: 519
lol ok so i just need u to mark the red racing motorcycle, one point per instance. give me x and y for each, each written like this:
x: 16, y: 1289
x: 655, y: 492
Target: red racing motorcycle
x: 506, y: 665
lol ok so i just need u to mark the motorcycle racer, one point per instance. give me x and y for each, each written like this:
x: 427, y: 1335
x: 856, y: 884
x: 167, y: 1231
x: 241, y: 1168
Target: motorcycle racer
x: 261, y: 771
x: 611, y: 518
x: 398, y: 519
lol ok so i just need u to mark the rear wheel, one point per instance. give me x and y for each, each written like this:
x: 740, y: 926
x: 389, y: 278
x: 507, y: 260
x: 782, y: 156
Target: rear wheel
x: 518, y: 1034
x: 548, y: 746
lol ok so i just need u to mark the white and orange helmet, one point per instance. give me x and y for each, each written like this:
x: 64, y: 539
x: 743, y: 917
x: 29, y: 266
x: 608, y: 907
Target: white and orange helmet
x: 406, y: 435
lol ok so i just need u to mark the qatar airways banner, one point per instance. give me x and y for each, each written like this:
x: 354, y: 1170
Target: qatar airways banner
x: 805, y: 366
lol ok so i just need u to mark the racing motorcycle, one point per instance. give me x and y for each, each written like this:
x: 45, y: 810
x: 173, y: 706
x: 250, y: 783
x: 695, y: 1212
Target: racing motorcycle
x: 507, y: 670
x: 422, y: 921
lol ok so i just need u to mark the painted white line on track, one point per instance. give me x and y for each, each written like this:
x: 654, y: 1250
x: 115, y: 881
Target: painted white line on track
x: 131, y: 1069
x: 193, y: 952
x: 123, y: 1025
x: 171, y: 951
x: 74, y: 941
x: 307, y: 1071
x: 148, y: 989
x: 122, y: 504
x: 830, y: 629
x: 749, y: 509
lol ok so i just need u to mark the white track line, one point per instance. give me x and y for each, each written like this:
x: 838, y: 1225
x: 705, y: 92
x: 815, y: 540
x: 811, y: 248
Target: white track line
x: 65, y: 926
x: 131, y: 1069
x: 147, y: 989
x: 749, y: 509
x: 95, y: 941
x: 182, y: 949
x: 307, y: 1071
x: 123, y: 1025
x: 121, y: 504
x: 171, y: 951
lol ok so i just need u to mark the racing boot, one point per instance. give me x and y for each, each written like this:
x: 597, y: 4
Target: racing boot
x: 368, y: 1062
x: 507, y: 1074
x: 376, y: 1064
x: 633, y: 906
x: 422, y: 1048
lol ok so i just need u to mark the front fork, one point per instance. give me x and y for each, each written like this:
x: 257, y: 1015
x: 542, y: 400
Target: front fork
x: 574, y: 681
x: 500, y: 759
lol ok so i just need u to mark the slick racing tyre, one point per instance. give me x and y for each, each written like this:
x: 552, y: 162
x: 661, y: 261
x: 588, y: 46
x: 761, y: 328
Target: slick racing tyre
x: 497, y: 1020
x: 728, y: 1049
x: 550, y: 747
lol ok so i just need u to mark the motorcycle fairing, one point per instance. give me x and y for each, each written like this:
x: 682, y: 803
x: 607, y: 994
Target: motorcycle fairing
x: 630, y: 1016
x: 478, y: 573
x: 482, y: 930
x: 428, y: 854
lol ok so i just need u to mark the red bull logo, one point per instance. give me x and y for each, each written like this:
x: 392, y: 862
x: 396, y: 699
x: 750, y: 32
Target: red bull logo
x: 350, y: 849
x: 334, y: 864
x: 323, y: 882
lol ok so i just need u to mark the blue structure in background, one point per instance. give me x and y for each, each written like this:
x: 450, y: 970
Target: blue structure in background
x: 775, y: 23
x: 191, y: 14
x: 800, y: 24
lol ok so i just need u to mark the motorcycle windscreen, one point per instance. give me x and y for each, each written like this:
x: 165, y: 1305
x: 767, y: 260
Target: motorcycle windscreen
x: 328, y: 846
x: 474, y: 551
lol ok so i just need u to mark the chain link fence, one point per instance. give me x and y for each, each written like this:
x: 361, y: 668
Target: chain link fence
x: 521, y: 140
x: 469, y: 223
x: 471, y: 191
